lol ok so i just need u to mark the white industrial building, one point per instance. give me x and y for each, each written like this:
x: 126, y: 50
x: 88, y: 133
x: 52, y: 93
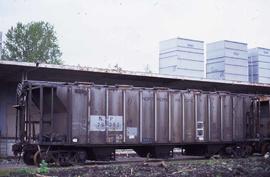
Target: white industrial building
x: 227, y: 60
x: 259, y: 65
x: 182, y: 57
x: 0, y: 44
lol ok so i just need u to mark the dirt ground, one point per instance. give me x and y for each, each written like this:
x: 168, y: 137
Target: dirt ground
x: 253, y: 166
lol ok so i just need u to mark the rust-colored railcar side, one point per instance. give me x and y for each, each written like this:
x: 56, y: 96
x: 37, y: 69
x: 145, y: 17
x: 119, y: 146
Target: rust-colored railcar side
x: 82, y: 121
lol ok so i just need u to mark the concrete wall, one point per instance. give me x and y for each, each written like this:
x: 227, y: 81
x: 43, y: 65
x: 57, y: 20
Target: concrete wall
x: 7, y: 117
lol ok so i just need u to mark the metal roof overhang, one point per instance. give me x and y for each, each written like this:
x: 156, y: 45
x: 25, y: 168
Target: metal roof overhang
x: 11, y: 71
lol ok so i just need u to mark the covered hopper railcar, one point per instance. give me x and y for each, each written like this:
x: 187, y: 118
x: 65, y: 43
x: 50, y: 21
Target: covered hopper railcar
x: 72, y: 122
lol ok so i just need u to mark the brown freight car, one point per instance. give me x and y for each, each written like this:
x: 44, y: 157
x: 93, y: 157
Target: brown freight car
x: 72, y: 122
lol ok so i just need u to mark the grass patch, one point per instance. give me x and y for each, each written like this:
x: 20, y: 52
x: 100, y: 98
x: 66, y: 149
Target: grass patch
x: 26, y: 171
x: 5, y: 172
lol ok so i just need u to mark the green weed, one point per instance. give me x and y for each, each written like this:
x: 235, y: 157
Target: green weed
x: 43, y: 167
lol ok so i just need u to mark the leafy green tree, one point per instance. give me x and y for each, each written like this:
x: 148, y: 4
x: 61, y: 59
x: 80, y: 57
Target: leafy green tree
x: 32, y: 42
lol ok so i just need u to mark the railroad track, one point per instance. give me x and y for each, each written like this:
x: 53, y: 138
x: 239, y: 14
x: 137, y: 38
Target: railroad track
x: 121, y: 158
x: 144, y: 160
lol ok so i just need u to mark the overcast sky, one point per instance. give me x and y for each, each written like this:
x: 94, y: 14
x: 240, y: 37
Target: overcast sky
x: 105, y: 32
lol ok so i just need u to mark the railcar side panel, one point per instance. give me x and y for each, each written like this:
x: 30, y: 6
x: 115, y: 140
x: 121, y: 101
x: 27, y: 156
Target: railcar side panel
x: 97, y: 134
x: 148, y: 116
x: 132, y: 113
x: 189, y: 117
x: 176, y: 117
x: 79, y: 114
x: 226, y: 114
x: 35, y: 112
x: 214, y: 117
x: 114, y: 121
x: 202, y: 113
x: 60, y: 112
x: 248, y: 101
x: 162, y: 116
x: 238, y: 116
x: 46, y: 121
x: 264, y: 123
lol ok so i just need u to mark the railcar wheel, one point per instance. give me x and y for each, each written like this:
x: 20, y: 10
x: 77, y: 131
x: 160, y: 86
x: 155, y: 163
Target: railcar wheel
x: 246, y: 150
x: 265, y: 148
x: 64, y: 159
x: 37, y: 158
x: 28, y: 157
x: 80, y: 157
x: 237, y: 152
x: 207, y: 155
x: 242, y: 151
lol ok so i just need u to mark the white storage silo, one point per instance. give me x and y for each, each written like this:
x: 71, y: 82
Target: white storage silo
x: 0, y: 44
x: 227, y: 60
x: 182, y: 57
x: 259, y: 65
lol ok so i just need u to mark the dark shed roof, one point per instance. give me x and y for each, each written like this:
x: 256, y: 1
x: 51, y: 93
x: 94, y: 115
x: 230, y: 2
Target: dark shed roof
x: 11, y: 71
